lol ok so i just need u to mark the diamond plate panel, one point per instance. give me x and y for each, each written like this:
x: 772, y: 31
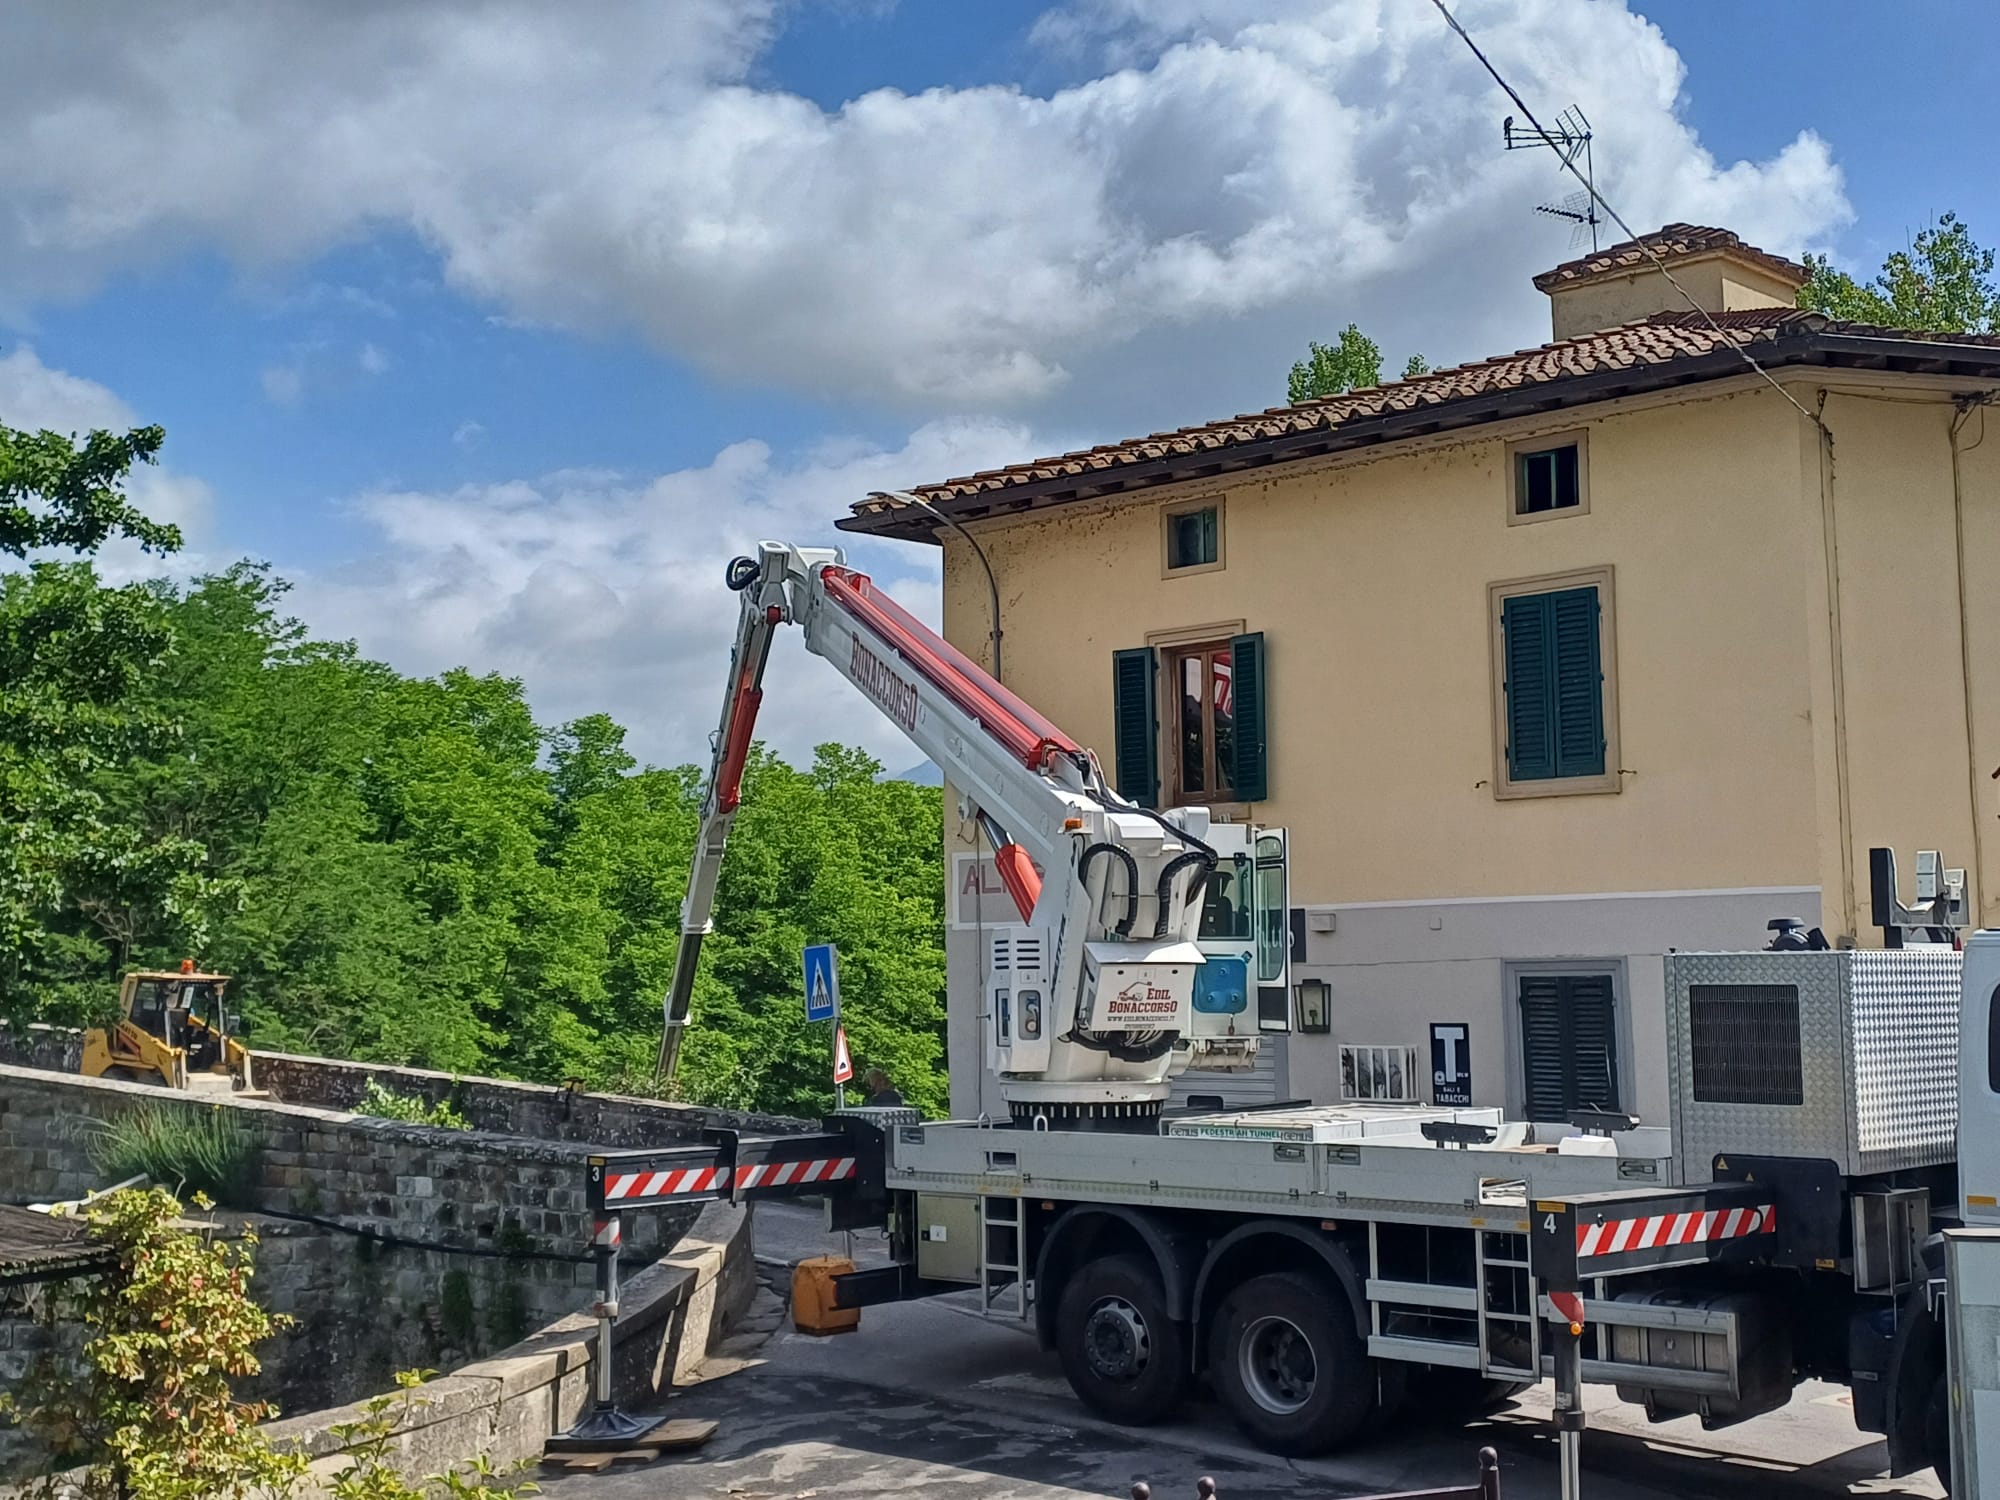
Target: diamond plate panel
x: 1819, y: 1127
x: 1903, y: 1009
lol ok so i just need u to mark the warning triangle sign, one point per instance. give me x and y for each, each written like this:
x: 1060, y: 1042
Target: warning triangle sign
x: 843, y: 1065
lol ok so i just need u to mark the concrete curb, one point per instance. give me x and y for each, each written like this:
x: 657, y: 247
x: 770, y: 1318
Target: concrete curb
x: 671, y: 1315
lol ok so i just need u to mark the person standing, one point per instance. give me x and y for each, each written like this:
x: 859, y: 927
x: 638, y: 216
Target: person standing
x: 882, y: 1094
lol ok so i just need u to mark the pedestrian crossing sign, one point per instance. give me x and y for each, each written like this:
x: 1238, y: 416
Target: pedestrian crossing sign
x: 822, y: 982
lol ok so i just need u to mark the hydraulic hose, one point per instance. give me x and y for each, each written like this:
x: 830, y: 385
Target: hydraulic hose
x: 1205, y: 857
x: 1124, y: 855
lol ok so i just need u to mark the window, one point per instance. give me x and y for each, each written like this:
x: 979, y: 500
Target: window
x: 1191, y: 536
x: 1547, y: 477
x: 1225, y: 911
x: 1384, y: 1074
x: 1569, y: 1044
x: 1205, y: 723
x: 1209, y: 731
x: 1745, y: 1043
x: 1555, y: 724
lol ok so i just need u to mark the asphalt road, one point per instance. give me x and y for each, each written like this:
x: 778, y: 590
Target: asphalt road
x: 930, y: 1400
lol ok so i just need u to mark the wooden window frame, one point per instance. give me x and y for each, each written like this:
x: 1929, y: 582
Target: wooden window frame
x: 1505, y: 788
x: 1165, y: 645
x: 1183, y: 507
x: 1541, y: 444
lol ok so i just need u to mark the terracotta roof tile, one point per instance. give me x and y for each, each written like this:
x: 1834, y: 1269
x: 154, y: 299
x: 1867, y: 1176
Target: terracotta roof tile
x: 1659, y: 340
x: 1675, y: 242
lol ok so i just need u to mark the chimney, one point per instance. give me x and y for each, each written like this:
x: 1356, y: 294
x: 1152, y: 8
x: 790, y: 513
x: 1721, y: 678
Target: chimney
x: 1621, y: 284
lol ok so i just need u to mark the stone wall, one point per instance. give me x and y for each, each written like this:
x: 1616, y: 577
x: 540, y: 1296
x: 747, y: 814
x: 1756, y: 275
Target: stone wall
x: 57, y: 1048
x: 465, y: 1189
x: 506, y: 1406
x: 450, y: 1245
x: 610, y: 1121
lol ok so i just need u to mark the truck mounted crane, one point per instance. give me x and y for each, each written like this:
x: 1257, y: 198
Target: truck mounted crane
x: 1823, y: 1201
x: 1101, y: 992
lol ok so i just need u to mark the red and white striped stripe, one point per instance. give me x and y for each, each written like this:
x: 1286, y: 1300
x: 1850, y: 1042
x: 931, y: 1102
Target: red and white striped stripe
x: 1622, y: 1235
x: 609, y: 1232
x: 783, y: 1173
x: 662, y: 1184
x: 622, y: 1186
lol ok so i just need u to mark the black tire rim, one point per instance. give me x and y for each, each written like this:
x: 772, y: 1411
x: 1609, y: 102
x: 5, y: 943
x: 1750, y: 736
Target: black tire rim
x: 1116, y: 1342
x: 1274, y: 1360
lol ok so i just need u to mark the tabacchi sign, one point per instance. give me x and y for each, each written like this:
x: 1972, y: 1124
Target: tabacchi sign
x: 897, y: 697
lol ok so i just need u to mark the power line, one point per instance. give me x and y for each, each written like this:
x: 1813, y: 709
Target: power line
x: 1618, y: 219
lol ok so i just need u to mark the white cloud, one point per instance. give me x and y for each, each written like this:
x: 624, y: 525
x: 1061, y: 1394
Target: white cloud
x: 34, y: 397
x: 468, y: 435
x: 606, y: 594
x: 372, y: 360
x: 1237, y: 170
x: 283, y: 384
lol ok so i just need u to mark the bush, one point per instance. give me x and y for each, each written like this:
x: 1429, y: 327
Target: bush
x: 186, y: 1149
x: 386, y: 1104
x: 149, y: 1412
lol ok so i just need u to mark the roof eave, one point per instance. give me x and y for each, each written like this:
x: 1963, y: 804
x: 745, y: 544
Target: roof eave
x: 1919, y: 356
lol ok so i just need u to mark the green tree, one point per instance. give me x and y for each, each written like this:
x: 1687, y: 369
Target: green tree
x: 73, y: 658
x: 1942, y: 284
x: 1414, y: 366
x: 1354, y: 361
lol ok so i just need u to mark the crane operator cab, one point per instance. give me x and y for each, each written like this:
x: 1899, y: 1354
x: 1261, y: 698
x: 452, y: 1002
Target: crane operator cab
x: 1242, y: 990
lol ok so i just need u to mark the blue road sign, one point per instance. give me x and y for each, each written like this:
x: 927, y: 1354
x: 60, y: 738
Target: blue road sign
x: 822, y: 982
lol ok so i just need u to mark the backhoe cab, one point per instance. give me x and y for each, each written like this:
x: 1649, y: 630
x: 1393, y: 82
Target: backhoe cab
x: 172, y: 1029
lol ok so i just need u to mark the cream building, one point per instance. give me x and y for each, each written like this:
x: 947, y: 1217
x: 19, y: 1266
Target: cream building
x: 1550, y: 664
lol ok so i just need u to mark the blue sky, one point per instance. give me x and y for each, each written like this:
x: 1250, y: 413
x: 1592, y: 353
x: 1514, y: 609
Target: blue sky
x: 498, y: 328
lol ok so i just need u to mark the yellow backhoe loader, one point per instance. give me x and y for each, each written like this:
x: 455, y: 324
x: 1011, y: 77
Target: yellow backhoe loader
x: 171, y: 1029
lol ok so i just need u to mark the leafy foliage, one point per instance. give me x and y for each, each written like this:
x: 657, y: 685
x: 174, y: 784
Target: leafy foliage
x: 411, y: 870
x: 1414, y: 366
x: 386, y: 1104
x: 73, y: 658
x: 179, y: 1147
x: 149, y: 1412
x: 1942, y: 284
x: 1352, y: 362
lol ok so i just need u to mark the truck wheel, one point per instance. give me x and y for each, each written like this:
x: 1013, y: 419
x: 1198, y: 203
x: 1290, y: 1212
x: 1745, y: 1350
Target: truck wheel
x: 1125, y: 1357
x: 1289, y: 1365
x: 1937, y: 1430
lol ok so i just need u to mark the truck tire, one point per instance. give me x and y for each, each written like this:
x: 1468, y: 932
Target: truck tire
x: 1289, y: 1365
x: 1126, y: 1359
x: 1937, y: 1431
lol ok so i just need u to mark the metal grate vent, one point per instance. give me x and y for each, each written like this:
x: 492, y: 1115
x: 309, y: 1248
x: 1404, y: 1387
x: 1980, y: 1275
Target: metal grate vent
x: 1744, y: 1041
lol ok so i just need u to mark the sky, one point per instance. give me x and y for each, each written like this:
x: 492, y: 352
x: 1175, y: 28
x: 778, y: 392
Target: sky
x: 496, y: 327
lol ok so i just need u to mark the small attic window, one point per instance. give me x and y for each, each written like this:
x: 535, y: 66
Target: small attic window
x: 1548, y: 479
x: 1193, y: 536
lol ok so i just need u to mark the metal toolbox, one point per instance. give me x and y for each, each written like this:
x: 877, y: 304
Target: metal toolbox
x: 1847, y: 1056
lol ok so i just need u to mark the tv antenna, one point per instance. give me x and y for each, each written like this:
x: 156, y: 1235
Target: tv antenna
x: 1569, y: 138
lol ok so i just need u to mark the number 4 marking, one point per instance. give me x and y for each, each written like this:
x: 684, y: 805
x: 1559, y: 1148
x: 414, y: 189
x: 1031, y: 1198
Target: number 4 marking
x: 1549, y: 1224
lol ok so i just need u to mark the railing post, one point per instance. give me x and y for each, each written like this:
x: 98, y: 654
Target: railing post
x: 1489, y: 1474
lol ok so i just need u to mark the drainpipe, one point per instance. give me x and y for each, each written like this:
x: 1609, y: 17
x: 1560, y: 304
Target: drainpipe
x: 1966, y: 404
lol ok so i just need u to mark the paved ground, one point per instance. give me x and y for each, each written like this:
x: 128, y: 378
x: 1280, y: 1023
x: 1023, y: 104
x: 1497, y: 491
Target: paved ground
x: 932, y: 1402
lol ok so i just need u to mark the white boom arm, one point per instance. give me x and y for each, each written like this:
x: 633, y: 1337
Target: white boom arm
x: 1092, y: 985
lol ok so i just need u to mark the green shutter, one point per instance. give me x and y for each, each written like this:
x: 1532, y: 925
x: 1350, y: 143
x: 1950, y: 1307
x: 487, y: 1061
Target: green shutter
x: 1134, y: 723
x: 1544, y: 1070
x: 1554, y: 685
x: 1527, y: 624
x: 1569, y: 1045
x: 1579, y: 684
x: 1593, y: 1041
x: 1249, y: 706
